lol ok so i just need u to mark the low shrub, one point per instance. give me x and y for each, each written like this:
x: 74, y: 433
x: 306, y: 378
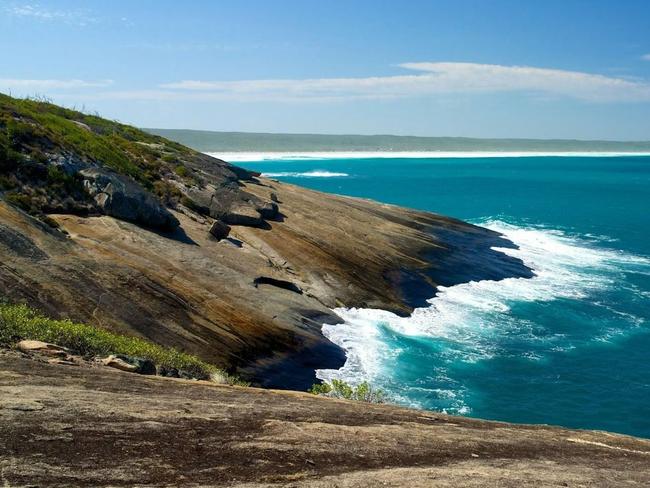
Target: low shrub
x: 363, y: 392
x: 18, y: 322
x: 22, y: 201
x: 166, y: 192
x: 181, y: 170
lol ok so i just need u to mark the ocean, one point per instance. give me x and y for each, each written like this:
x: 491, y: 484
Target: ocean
x: 569, y: 347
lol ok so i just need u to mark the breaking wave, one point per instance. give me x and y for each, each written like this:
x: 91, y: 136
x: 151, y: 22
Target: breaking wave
x: 411, y: 357
x: 307, y: 174
x: 312, y: 155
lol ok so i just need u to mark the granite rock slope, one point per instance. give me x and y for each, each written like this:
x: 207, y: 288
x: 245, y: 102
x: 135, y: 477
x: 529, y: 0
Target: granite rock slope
x: 75, y: 426
x: 108, y: 225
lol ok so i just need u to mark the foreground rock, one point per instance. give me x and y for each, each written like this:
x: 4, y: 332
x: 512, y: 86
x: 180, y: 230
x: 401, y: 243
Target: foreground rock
x: 66, y: 426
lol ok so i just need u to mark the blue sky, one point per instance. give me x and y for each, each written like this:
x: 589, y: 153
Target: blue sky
x: 566, y: 69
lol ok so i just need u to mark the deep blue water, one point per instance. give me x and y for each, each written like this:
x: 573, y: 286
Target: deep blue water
x: 569, y: 347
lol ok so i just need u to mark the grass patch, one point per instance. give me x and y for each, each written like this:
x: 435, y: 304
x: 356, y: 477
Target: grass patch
x: 181, y: 170
x: 18, y: 322
x: 363, y: 392
x: 33, y: 128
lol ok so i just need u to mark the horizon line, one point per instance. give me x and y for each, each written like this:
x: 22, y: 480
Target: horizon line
x: 323, y: 134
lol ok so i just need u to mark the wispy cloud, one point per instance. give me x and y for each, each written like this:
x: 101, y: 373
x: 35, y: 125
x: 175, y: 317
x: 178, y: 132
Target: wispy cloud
x: 39, y: 13
x: 424, y: 79
x: 431, y: 79
x: 646, y: 57
x: 23, y: 85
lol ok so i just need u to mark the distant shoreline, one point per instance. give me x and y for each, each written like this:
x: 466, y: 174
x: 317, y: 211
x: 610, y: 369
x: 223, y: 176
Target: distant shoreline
x: 258, y: 142
x: 244, y: 156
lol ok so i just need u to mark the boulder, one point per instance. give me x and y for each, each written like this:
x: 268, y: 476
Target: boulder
x: 268, y: 210
x: 243, y: 214
x: 130, y: 364
x: 40, y: 347
x: 123, y: 198
x: 219, y: 230
x: 113, y: 361
x: 145, y: 366
x: 167, y: 372
x: 231, y: 205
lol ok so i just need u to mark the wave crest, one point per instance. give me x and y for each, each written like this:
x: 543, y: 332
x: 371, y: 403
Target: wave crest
x: 306, y: 174
x: 474, y: 321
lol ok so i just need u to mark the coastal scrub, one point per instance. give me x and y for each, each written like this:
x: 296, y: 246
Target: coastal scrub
x: 363, y: 392
x: 18, y: 322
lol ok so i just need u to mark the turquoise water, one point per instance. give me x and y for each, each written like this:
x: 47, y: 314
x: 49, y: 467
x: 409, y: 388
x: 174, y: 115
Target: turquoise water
x: 569, y: 347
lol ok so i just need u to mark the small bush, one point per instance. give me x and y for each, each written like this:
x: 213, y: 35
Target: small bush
x: 18, y: 322
x: 8, y: 182
x: 167, y: 192
x: 363, y: 392
x: 22, y: 201
x: 181, y: 170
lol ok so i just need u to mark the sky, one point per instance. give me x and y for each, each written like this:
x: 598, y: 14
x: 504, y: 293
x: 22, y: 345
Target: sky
x: 525, y: 68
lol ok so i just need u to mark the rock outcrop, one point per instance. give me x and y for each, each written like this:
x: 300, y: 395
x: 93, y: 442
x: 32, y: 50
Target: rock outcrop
x: 55, y: 160
x: 232, y: 205
x: 122, y: 198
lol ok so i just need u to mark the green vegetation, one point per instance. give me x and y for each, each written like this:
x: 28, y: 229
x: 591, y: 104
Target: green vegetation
x: 363, y: 392
x: 41, y: 125
x: 19, y: 322
x: 181, y: 170
x: 35, y: 133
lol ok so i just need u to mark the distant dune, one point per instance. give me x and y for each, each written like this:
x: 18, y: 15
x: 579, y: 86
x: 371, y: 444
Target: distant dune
x: 209, y: 141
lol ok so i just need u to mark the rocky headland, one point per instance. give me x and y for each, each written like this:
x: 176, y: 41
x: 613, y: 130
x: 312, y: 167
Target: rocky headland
x: 138, y: 235
x: 108, y: 225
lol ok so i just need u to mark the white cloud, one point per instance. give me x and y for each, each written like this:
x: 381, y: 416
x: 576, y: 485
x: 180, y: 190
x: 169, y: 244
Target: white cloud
x: 646, y: 57
x: 36, y: 12
x: 431, y: 79
x: 424, y: 80
x: 22, y: 85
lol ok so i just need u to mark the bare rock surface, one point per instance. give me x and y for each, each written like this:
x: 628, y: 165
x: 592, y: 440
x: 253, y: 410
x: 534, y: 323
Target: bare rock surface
x: 185, y: 289
x: 101, y: 427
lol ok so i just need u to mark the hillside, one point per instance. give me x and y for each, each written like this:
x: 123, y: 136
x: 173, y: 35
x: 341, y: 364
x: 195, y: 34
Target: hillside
x: 113, y: 227
x: 210, y: 141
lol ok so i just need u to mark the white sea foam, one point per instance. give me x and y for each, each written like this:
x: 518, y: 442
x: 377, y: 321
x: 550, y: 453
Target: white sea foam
x: 309, y: 155
x: 474, y: 318
x: 308, y: 174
